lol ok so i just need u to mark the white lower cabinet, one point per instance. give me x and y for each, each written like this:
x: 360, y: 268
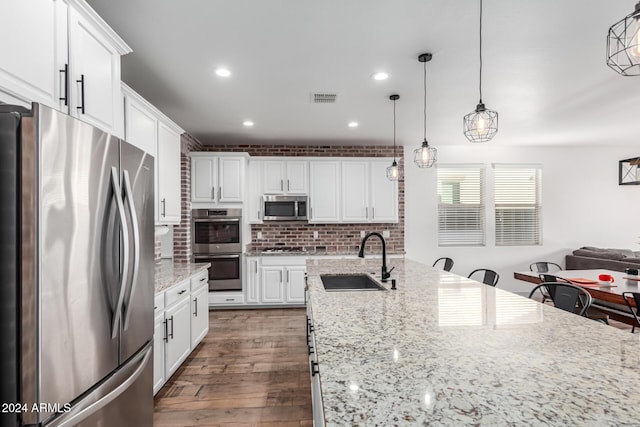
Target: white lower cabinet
x: 275, y: 280
x: 181, y: 322
x: 199, y: 315
x: 272, y: 286
x: 178, y: 346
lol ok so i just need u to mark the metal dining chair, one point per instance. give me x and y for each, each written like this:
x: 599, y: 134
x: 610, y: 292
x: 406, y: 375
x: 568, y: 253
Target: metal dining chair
x: 544, y: 267
x: 592, y: 313
x: 489, y: 277
x: 635, y: 311
x: 447, y: 265
x: 566, y: 296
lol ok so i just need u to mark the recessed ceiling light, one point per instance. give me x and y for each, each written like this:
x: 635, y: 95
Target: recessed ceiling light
x: 380, y: 76
x: 223, y: 72
x: 352, y: 124
x: 248, y: 123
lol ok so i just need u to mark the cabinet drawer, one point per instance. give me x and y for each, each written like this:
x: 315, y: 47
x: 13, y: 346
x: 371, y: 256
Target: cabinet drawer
x: 158, y: 302
x: 176, y: 292
x: 199, y: 280
x: 217, y: 298
x: 284, y: 261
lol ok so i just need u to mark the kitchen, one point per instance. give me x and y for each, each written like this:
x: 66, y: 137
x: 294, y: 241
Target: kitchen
x: 229, y: 166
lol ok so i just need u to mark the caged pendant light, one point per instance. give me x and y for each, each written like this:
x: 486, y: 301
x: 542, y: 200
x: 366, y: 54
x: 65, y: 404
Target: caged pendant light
x: 623, y: 44
x: 425, y: 156
x: 481, y: 124
x: 393, y: 172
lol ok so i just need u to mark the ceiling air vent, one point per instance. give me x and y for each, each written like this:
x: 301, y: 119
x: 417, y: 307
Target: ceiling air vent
x: 323, y: 98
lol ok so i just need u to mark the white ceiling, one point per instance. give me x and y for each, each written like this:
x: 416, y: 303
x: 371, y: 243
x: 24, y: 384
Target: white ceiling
x: 544, y: 68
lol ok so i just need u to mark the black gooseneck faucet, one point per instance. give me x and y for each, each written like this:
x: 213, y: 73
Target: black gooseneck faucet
x: 385, y: 274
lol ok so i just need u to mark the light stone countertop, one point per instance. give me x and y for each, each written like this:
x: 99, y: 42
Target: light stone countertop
x: 169, y: 273
x: 443, y: 350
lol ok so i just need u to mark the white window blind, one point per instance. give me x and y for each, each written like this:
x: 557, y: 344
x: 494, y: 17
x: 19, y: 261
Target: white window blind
x: 461, y: 215
x: 518, y: 205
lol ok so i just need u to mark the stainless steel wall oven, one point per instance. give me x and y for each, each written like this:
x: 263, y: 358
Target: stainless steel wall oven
x: 216, y: 237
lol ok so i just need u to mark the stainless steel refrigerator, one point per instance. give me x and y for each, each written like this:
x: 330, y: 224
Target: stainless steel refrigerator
x: 76, y: 273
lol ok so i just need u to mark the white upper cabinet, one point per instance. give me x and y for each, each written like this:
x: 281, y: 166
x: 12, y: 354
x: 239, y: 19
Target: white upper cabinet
x: 355, y: 191
x: 168, y: 174
x: 285, y: 177
x: 32, y: 67
x: 204, y: 179
x: 367, y: 194
x: 150, y: 130
x: 68, y: 59
x: 383, y: 194
x: 218, y: 177
x: 324, y: 191
x: 254, y: 200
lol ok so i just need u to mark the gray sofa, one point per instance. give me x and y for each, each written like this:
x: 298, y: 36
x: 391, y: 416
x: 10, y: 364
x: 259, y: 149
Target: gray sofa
x: 589, y: 257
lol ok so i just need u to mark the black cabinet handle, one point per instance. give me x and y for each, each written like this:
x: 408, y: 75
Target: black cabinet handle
x: 182, y: 292
x: 166, y: 330
x: 203, y: 279
x: 314, y: 368
x: 65, y: 98
x: 81, y: 81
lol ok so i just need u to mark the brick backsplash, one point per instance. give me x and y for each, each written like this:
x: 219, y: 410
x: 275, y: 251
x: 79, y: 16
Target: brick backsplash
x: 331, y: 237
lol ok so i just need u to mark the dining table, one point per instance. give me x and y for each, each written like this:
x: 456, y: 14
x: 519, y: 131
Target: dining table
x: 606, y: 295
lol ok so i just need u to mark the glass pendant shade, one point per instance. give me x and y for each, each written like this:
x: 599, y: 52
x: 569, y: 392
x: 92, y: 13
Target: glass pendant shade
x: 623, y: 44
x: 425, y: 156
x: 393, y: 172
x: 481, y: 124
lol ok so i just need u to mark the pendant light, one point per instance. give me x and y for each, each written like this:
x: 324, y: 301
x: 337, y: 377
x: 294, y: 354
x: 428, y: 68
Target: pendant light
x: 425, y: 156
x: 623, y: 44
x: 393, y: 172
x: 481, y: 124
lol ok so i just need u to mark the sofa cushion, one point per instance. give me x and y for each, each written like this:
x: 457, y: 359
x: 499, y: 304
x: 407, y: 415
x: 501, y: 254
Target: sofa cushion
x: 616, y: 255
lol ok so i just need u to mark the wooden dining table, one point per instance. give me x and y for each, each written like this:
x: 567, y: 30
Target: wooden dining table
x: 606, y: 297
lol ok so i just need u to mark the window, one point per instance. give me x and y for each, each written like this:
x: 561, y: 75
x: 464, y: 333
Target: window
x: 518, y: 205
x: 461, y: 205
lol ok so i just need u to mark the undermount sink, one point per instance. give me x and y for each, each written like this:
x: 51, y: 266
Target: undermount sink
x: 349, y: 282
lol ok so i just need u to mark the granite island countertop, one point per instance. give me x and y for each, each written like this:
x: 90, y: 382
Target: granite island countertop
x: 444, y: 350
x: 169, y: 273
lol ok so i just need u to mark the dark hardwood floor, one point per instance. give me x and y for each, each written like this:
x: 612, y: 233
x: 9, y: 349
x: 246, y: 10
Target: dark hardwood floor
x: 250, y: 370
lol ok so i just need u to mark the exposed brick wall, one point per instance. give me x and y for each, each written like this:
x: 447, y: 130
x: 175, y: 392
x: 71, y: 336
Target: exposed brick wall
x: 331, y: 237
x: 182, y: 232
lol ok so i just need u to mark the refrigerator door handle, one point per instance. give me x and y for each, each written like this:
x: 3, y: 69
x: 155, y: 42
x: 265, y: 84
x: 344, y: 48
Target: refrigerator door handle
x: 117, y: 191
x: 114, y: 386
x: 128, y: 192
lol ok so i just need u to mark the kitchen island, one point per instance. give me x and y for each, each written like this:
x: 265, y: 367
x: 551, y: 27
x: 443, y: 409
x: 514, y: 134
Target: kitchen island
x: 445, y: 350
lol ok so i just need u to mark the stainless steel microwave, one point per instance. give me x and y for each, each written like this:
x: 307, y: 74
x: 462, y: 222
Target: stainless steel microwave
x: 277, y: 207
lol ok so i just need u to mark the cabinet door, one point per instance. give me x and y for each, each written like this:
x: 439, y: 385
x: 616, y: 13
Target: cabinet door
x: 141, y: 126
x: 94, y: 65
x: 384, y: 194
x: 179, y: 328
x: 231, y: 179
x: 159, y: 334
x: 355, y: 191
x: 295, y: 285
x: 297, y: 177
x: 254, y: 204
x: 199, y: 315
x: 272, y: 285
x: 252, y: 281
x: 34, y: 50
x: 273, y: 177
x: 204, y: 182
x: 168, y: 173
x: 324, y: 191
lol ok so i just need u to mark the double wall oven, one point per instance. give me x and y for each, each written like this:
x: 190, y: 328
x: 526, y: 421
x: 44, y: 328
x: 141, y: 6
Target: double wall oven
x: 216, y: 237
